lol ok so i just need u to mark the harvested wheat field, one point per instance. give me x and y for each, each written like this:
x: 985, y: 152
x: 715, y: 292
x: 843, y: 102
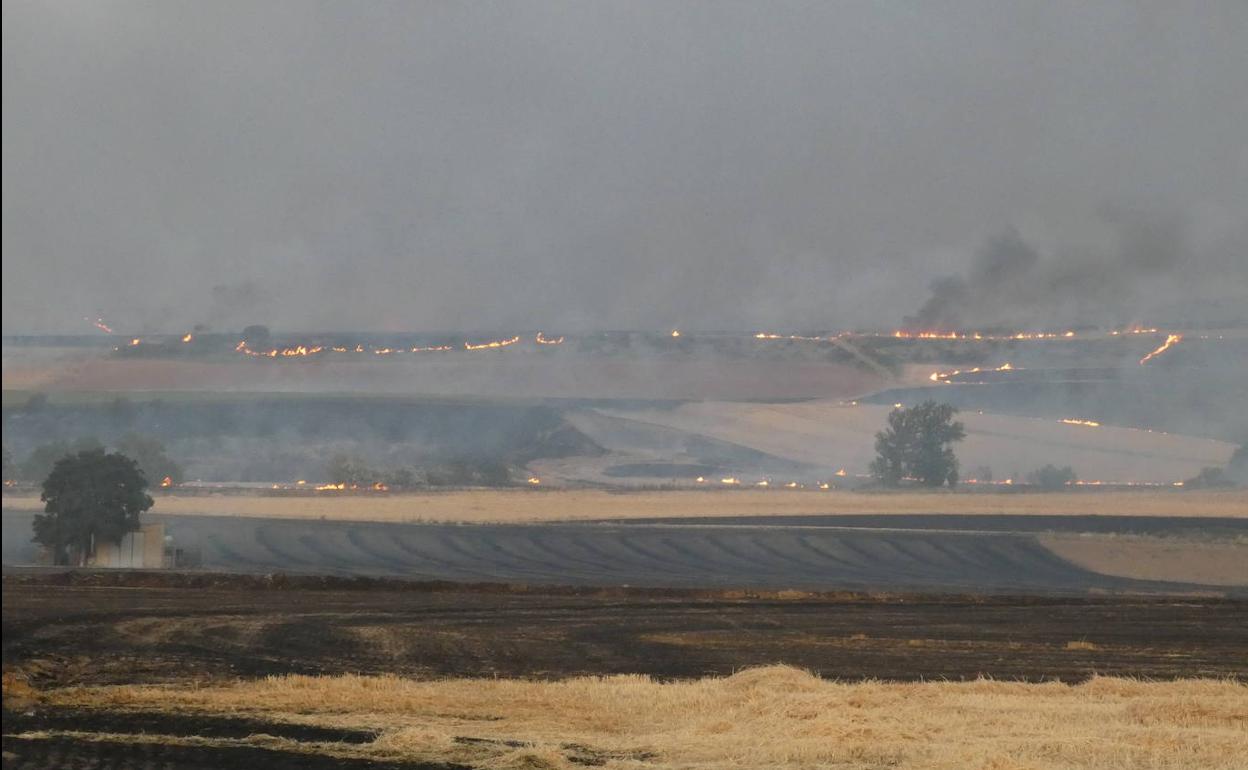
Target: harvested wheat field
x: 534, y: 505
x: 775, y: 716
x: 834, y: 435
x: 1148, y: 558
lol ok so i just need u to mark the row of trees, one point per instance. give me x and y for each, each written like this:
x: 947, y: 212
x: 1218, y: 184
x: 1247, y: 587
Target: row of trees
x: 147, y: 451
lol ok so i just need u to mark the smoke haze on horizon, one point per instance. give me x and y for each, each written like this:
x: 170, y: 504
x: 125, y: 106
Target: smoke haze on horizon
x: 574, y: 166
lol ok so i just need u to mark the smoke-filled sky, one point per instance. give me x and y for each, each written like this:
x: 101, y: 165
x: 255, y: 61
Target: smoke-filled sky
x: 578, y: 165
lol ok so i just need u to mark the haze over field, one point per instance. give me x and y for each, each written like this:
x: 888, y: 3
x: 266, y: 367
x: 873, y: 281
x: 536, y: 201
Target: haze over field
x: 627, y: 383
x: 406, y: 166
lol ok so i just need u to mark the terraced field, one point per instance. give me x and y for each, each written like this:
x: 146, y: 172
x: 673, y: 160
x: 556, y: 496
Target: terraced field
x: 934, y: 553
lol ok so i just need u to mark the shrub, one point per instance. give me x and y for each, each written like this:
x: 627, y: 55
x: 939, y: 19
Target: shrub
x: 1050, y: 477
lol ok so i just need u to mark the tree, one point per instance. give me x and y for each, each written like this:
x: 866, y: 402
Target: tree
x: 465, y: 472
x: 400, y: 478
x: 1237, y: 468
x: 350, y: 470
x: 149, y: 453
x: 257, y: 336
x: 1050, y: 477
x: 1209, y: 478
x: 90, y: 497
x: 915, y: 445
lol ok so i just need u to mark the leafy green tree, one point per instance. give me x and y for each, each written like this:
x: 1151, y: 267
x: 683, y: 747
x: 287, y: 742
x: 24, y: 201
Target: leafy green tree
x: 90, y: 497
x: 149, y: 453
x: 916, y: 445
x: 1051, y: 477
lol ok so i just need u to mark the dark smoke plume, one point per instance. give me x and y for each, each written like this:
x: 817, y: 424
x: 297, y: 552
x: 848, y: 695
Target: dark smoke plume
x: 1010, y: 285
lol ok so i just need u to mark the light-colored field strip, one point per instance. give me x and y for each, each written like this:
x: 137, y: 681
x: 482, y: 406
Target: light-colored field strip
x: 834, y: 435
x: 775, y: 717
x: 1152, y: 558
x: 527, y: 505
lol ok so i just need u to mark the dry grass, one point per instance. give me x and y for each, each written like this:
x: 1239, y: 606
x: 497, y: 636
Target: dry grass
x: 766, y: 717
x: 1155, y: 558
x: 525, y: 505
x: 835, y: 435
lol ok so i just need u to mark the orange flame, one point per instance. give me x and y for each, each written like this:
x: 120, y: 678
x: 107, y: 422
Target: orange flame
x: 493, y: 344
x: 1171, y: 341
x: 771, y: 336
x: 943, y: 335
x: 99, y: 324
x: 1085, y: 423
x: 534, y: 480
x: 945, y: 376
x: 544, y: 340
x: 166, y: 482
x: 188, y: 337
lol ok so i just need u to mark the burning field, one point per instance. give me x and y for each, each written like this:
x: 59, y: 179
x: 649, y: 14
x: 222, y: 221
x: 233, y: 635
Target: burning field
x: 632, y: 385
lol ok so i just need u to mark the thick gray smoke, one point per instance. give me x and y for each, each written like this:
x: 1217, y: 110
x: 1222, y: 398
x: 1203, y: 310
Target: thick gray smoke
x: 1000, y: 274
x: 573, y: 166
x: 1138, y: 277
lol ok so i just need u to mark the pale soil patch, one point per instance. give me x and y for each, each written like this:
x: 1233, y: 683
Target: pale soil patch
x: 1153, y: 558
x: 778, y: 717
x: 493, y: 374
x: 529, y: 505
x: 836, y: 435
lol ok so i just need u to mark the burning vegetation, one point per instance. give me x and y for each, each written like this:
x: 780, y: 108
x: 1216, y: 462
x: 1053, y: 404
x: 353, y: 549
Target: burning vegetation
x: 1171, y: 341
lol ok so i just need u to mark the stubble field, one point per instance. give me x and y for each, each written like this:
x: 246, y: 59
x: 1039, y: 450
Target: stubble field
x: 149, y: 671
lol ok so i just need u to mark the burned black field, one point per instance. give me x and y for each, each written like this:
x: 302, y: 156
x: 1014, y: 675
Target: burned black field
x: 72, y: 629
x: 140, y: 628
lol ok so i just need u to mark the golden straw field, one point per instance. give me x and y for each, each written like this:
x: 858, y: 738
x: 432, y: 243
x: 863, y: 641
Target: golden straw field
x: 534, y: 505
x: 775, y: 716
